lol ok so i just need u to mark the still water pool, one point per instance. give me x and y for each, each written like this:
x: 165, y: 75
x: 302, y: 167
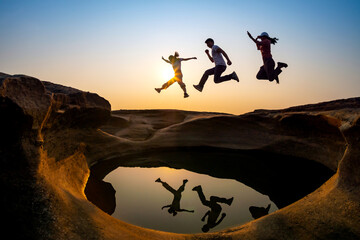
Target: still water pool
x: 140, y: 199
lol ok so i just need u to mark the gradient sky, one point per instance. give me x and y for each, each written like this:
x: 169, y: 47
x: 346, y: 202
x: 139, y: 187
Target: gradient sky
x: 114, y: 48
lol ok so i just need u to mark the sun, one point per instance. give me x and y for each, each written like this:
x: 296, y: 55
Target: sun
x: 168, y: 73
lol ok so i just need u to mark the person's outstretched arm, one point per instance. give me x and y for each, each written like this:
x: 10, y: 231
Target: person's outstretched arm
x: 252, y: 38
x: 167, y: 206
x: 208, y: 54
x: 165, y: 60
x: 225, y: 55
x: 220, y: 220
x: 187, y: 59
x: 258, y: 43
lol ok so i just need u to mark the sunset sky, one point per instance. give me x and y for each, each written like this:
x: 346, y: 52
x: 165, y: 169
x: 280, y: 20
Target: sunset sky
x: 114, y: 48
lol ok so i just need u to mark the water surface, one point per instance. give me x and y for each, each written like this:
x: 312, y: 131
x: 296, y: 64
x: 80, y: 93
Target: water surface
x: 139, y: 199
x: 255, y: 178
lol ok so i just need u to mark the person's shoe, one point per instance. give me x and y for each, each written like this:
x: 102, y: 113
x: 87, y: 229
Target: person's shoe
x: 158, y: 90
x: 186, y: 95
x: 229, y: 201
x: 235, y: 77
x: 197, y: 188
x: 198, y: 87
x: 185, y: 181
x: 158, y: 180
x: 281, y: 65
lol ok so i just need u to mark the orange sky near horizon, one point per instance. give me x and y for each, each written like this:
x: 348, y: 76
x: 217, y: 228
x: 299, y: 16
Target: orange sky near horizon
x: 114, y: 48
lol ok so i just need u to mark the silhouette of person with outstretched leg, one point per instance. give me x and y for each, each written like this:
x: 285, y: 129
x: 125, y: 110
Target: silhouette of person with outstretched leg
x: 174, y: 207
x: 215, y: 209
x: 220, y: 66
x: 176, y: 64
x: 267, y: 71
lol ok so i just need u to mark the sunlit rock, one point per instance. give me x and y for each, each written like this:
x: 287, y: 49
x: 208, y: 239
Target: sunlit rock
x: 51, y: 139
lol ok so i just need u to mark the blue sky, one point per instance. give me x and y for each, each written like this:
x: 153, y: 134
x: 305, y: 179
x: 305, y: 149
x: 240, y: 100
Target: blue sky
x: 114, y: 48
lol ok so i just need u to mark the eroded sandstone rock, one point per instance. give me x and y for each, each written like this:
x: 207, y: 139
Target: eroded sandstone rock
x: 50, y: 137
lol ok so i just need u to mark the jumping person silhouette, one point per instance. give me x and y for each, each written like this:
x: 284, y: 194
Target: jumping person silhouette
x: 215, y: 209
x: 267, y: 71
x: 176, y: 64
x: 219, y: 68
x: 174, y: 207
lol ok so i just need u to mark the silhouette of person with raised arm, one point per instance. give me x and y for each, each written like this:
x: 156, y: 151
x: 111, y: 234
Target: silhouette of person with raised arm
x: 267, y: 71
x: 174, y: 207
x: 258, y: 212
x: 176, y: 64
x: 215, y: 209
x: 220, y: 66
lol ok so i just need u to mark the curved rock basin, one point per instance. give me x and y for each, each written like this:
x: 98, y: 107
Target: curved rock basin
x: 50, y: 138
x: 254, y: 179
x: 139, y: 199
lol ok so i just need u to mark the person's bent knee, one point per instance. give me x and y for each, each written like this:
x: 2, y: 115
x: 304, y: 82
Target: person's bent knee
x: 217, y: 80
x: 261, y: 76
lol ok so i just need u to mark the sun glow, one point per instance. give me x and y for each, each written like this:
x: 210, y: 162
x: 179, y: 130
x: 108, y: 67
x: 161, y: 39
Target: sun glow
x: 167, y: 73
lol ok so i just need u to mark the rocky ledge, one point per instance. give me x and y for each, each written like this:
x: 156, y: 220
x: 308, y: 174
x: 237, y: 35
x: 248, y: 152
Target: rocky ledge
x: 53, y: 135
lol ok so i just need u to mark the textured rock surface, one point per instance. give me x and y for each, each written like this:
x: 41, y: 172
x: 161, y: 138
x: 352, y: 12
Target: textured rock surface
x: 51, y: 137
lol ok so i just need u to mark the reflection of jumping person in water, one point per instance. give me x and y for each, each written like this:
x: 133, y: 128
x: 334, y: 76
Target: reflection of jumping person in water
x: 267, y: 71
x: 215, y: 211
x: 174, y: 207
x: 176, y: 64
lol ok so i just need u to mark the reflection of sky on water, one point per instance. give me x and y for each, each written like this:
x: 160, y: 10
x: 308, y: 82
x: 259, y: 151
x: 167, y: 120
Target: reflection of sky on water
x: 139, y: 199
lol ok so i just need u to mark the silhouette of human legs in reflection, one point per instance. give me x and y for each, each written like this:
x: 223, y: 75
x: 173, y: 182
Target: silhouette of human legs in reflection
x: 258, y: 212
x: 215, y: 209
x: 174, y: 207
